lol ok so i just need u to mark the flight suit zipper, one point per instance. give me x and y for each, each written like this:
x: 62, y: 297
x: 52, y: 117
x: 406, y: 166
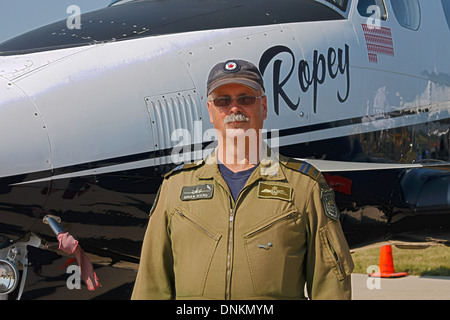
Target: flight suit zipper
x: 336, y: 257
x: 231, y: 218
x: 229, y: 254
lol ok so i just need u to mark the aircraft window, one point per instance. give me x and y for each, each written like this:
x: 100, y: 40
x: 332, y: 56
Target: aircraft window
x: 341, y: 4
x: 124, y: 20
x: 407, y: 13
x: 375, y: 9
x: 118, y: 2
x: 446, y: 6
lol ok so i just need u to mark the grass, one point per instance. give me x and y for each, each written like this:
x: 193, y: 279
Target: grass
x: 432, y: 261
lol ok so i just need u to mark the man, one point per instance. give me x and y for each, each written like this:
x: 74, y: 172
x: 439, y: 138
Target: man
x: 243, y: 224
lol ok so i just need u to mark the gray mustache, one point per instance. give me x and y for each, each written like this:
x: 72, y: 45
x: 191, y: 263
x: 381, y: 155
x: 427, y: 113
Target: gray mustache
x: 236, y: 117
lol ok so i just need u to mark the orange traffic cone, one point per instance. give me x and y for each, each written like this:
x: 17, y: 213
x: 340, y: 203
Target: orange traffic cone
x: 386, y: 264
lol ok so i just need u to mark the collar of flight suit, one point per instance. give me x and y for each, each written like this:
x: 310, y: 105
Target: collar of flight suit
x: 269, y: 168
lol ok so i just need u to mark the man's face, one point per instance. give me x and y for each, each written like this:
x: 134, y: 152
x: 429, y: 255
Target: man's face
x: 236, y: 119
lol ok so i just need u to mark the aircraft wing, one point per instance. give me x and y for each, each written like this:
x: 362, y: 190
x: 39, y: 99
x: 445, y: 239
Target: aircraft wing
x: 344, y: 166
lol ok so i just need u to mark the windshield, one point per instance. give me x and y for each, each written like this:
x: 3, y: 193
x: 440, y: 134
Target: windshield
x: 340, y: 4
x: 126, y: 19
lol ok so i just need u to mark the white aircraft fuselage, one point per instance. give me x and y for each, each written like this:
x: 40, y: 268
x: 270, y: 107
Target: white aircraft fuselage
x: 88, y: 116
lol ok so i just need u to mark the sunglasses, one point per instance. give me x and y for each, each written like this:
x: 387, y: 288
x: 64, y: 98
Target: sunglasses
x: 242, y: 100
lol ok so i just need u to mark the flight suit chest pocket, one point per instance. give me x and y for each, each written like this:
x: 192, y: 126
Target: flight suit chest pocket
x: 194, y: 244
x: 274, y: 256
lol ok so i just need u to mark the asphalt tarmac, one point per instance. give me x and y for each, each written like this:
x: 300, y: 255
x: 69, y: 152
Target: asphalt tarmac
x: 404, y: 288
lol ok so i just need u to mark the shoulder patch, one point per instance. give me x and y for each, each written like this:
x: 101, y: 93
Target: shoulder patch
x: 182, y: 167
x: 302, y: 167
x: 329, y: 204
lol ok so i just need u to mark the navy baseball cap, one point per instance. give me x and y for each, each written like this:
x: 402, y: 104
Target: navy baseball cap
x: 235, y: 71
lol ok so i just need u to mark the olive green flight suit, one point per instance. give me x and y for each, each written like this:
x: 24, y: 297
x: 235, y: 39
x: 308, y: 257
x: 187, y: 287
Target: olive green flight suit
x: 282, y: 232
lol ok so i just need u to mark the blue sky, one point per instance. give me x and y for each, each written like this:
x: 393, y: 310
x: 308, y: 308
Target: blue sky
x: 19, y: 16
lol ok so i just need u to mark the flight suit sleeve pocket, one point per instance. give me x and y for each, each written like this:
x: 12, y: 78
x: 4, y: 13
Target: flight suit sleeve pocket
x: 335, y: 249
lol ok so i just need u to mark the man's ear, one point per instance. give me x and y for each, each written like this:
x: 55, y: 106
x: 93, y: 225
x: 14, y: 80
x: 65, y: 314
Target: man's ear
x: 265, y: 107
x: 209, y: 104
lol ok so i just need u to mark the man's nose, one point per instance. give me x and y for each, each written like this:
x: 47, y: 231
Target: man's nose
x: 235, y: 107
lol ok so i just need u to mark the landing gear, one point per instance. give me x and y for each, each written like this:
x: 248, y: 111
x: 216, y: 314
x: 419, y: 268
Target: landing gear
x: 14, y: 265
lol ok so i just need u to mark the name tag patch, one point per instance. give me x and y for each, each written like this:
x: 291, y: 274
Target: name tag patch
x: 274, y: 191
x: 201, y: 191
